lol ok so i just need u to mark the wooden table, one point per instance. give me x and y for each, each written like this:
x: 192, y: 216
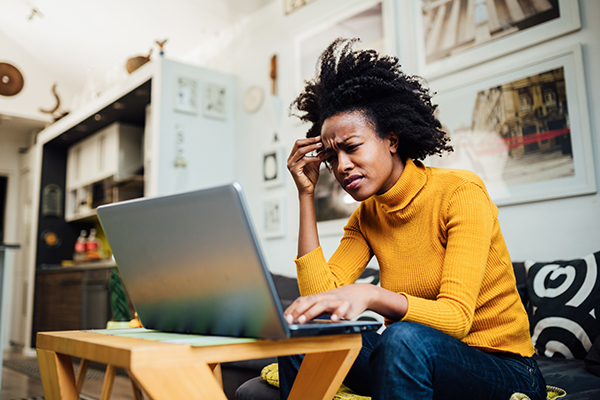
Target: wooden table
x: 170, y: 371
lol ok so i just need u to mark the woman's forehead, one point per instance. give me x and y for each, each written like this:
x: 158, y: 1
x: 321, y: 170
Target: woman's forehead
x: 343, y: 127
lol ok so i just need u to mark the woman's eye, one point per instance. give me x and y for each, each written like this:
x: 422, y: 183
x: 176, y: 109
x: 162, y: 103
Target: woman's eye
x: 353, y: 147
x: 329, y: 161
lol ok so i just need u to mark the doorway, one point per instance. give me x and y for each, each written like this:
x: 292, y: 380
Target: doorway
x: 3, y: 188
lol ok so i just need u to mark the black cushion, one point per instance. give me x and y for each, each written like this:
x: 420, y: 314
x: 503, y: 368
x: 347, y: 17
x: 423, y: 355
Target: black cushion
x: 521, y: 277
x: 257, y: 389
x: 569, y: 375
x: 587, y: 395
x: 592, y: 360
x: 563, y: 298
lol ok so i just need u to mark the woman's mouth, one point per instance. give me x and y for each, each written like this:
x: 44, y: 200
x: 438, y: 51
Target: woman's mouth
x: 352, y: 182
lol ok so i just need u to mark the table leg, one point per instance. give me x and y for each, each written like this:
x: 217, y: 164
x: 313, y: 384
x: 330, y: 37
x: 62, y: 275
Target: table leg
x: 216, y: 369
x: 321, y: 374
x: 81, y: 372
x: 109, y: 380
x: 179, y: 382
x: 137, y: 392
x: 58, y: 377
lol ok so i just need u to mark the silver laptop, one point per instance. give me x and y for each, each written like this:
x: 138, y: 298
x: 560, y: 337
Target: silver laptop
x: 191, y: 263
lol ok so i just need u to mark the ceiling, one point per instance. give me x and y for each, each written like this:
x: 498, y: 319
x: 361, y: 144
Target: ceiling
x: 79, y: 39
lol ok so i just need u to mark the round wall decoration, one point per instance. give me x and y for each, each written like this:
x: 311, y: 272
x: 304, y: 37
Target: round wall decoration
x: 11, y: 80
x: 253, y: 98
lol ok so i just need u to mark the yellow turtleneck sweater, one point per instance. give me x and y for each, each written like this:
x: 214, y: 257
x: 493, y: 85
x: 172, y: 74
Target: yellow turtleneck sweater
x: 437, y: 240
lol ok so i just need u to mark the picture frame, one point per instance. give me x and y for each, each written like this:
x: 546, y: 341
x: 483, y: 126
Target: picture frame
x: 524, y: 130
x: 291, y: 5
x: 458, y: 34
x: 333, y: 206
x: 369, y: 20
x: 215, y: 101
x: 274, y: 167
x: 185, y: 98
x: 274, y: 217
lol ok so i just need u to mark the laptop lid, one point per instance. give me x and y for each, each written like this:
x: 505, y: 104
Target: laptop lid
x: 191, y: 263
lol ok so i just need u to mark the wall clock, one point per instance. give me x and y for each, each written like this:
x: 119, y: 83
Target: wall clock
x: 253, y: 98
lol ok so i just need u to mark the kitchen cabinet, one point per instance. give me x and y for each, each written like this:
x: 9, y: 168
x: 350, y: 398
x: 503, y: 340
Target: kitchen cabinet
x: 90, y: 157
x: 115, y: 153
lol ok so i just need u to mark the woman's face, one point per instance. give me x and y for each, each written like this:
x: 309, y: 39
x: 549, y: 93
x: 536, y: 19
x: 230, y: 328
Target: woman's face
x: 362, y: 162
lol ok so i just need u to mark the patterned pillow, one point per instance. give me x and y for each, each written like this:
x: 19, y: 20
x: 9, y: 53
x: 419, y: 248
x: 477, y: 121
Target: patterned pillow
x: 563, y: 301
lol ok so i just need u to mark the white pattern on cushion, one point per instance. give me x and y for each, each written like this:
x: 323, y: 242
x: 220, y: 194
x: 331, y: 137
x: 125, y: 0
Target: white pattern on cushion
x: 589, y: 283
x: 563, y: 297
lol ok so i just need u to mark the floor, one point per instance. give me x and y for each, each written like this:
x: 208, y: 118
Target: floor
x: 16, y: 385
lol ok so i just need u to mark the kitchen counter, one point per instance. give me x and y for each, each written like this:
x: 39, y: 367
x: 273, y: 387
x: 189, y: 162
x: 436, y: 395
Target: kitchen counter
x: 81, y: 266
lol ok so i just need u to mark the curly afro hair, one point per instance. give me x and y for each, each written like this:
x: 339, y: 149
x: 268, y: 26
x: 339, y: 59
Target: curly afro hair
x: 361, y: 80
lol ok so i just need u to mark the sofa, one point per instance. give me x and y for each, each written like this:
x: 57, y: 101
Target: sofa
x: 560, y: 298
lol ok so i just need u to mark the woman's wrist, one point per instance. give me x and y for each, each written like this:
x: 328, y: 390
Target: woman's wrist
x: 306, y: 196
x: 387, y: 303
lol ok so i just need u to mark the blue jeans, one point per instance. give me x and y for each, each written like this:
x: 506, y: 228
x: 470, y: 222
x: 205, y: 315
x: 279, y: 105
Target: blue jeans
x: 413, y: 361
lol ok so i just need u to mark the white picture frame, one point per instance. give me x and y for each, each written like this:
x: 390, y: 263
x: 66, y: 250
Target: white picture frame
x: 214, y: 102
x: 370, y: 20
x: 544, y: 154
x: 274, y: 217
x: 457, y: 41
x: 185, y: 99
x: 274, y: 167
x: 291, y: 5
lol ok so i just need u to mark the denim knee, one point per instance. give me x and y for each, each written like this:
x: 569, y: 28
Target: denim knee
x: 408, y: 336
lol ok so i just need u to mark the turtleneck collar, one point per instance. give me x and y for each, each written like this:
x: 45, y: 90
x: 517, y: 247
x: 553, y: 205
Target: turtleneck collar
x: 411, y: 181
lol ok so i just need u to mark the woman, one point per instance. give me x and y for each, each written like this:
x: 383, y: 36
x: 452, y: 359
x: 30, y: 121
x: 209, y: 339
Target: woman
x: 456, y: 327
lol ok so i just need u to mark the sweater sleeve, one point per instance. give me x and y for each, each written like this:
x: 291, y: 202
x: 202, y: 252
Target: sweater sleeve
x: 316, y: 275
x: 468, y: 225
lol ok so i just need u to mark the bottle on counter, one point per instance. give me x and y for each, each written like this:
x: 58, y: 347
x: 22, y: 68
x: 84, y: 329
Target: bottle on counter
x: 92, y: 246
x: 80, y: 247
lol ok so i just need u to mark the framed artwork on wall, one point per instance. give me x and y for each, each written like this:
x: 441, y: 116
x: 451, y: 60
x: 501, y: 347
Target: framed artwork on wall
x: 333, y: 206
x: 525, y: 131
x: 291, y: 5
x: 274, y: 217
x: 215, y: 101
x: 186, y: 95
x: 456, y: 34
x: 273, y: 167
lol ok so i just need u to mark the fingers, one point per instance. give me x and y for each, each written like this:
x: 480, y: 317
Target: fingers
x: 307, y: 308
x: 305, y: 168
x: 302, y: 147
x: 342, y: 311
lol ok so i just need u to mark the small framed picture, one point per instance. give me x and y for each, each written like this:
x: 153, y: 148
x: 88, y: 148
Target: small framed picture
x: 273, y: 225
x: 186, y: 95
x: 215, y: 101
x: 291, y: 5
x: 273, y: 167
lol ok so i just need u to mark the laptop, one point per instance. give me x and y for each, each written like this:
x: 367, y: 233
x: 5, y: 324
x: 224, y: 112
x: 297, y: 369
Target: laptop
x: 191, y: 263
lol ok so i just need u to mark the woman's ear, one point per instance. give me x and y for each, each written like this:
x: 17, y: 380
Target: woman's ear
x: 393, y: 139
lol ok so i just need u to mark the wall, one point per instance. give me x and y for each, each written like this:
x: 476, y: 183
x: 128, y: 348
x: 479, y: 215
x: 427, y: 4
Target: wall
x: 547, y: 230
x: 37, y: 89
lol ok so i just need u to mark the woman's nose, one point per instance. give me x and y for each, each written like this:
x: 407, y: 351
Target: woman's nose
x: 344, y: 162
